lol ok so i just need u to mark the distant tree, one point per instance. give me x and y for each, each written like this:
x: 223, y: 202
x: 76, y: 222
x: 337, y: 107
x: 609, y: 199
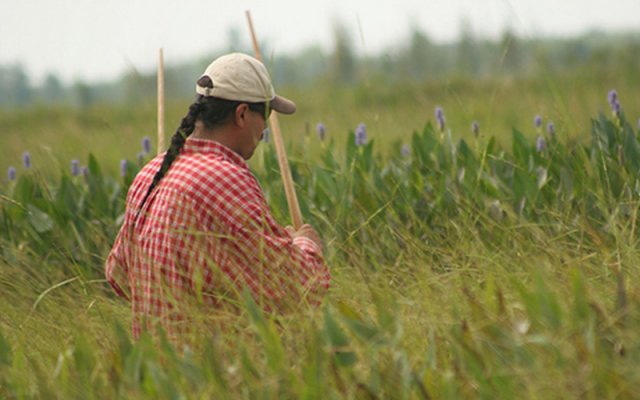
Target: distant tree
x: 575, y: 53
x: 541, y: 57
x: 416, y: 59
x: 301, y: 68
x: 285, y: 70
x: 467, y: 57
x: 14, y: 86
x: 234, y: 39
x: 344, y: 62
x: 513, y: 54
x: 629, y: 56
x: 419, y: 58
x: 5, y: 86
x: 83, y: 94
x: 139, y: 86
x: 53, y: 90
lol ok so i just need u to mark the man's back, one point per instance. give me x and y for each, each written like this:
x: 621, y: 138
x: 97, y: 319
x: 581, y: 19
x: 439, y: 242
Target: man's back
x: 204, y: 234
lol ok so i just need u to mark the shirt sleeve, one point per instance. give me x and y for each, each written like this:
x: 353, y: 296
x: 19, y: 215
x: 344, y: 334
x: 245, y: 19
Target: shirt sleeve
x: 281, y: 272
x: 116, y: 268
x: 118, y: 263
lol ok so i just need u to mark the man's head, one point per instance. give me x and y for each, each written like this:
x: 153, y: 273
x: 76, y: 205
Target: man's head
x: 231, y: 92
x: 234, y: 98
x: 242, y: 78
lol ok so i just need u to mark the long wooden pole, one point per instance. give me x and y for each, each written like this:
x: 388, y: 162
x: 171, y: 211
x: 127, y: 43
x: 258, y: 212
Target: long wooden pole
x: 285, y: 172
x: 160, y: 102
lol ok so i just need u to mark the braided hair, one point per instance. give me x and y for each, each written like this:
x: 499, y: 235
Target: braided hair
x: 211, y: 111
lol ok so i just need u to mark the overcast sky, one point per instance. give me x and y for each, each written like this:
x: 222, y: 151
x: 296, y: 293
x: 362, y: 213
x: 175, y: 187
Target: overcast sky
x: 100, y: 39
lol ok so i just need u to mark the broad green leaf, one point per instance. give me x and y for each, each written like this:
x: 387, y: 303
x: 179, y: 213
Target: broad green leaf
x: 40, y: 220
x: 338, y: 340
x: 631, y: 149
x: 542, y: 177
x: 520, y: 147
x: 267, y: 333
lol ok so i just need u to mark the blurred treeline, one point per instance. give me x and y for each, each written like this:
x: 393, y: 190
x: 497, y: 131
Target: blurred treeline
x: 418, y: 58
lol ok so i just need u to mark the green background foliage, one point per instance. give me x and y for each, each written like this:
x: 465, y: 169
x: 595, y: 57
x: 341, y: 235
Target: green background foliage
x: 471, y: 267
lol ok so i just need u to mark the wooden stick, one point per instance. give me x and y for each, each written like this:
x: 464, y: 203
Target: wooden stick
x: 285, y: 172
x: 160, y: 102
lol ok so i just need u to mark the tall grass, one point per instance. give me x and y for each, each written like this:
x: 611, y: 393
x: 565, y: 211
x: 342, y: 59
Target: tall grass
x: 471, y: 267
x: 391, y: 113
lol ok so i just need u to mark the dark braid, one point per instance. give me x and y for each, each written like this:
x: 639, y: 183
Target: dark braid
x: 211, y: 111
x: 187, y: 125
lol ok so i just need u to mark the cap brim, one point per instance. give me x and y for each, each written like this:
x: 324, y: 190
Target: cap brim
x: 282, y: 105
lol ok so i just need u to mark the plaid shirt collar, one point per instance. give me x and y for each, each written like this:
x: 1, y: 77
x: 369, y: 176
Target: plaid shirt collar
x: 206, y: 146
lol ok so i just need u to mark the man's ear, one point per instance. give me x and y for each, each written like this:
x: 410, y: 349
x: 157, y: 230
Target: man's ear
x: 241, y: 114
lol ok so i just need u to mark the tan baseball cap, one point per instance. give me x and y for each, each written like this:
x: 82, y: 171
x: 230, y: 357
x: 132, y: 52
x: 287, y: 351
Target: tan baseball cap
x: 240, y: 77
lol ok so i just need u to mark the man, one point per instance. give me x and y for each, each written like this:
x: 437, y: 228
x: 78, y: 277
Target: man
x: 197, y: 229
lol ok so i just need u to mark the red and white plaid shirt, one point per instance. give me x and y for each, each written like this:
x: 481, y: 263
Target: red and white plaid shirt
x: 204, y: 234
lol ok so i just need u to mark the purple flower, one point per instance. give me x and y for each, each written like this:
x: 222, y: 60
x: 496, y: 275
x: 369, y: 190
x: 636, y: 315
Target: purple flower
x: 612, y: 97
x: 123, y: 167
x: 639, y: 124
x: 440, y: 118
x: 146, y: 145
x: 26, y: 159
x: 140, y: 158
x: 541, y: 144
x: 406, y: 150
x: 361, y: 135
x: 321, y: 130
x: 551, y: 128
x: 75, y: 167
x: 616, y: 108
x: 84, y: 171
x: 537, y: 121
x: 12, y: 173
x: 475, y: 128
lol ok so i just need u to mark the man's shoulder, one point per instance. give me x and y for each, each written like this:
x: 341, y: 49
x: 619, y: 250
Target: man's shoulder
x: 210, y: 175
x: 206, y: 168
x: 143, y: 178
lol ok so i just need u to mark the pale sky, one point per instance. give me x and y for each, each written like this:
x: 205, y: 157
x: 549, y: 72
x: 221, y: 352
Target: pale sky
x: 100, y: 39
